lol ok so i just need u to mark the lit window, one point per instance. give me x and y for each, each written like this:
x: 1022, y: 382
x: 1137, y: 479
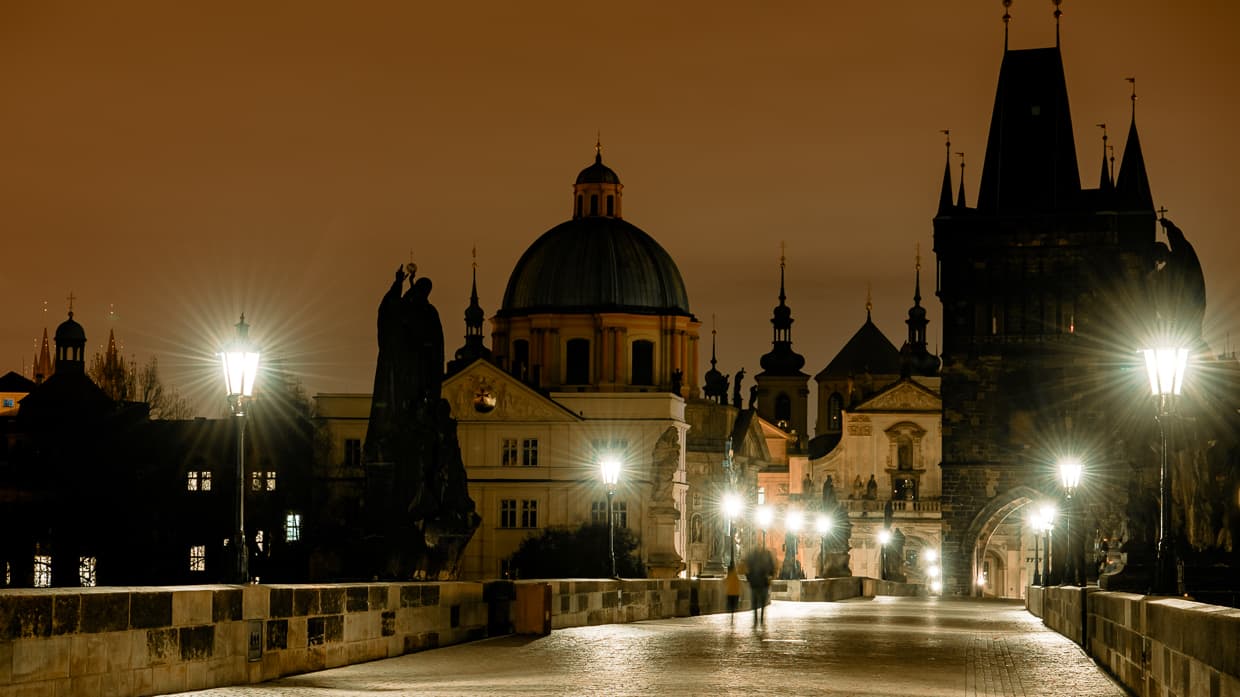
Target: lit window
x: 509, y: 450
x: 256, y: 481
x: 42, y: 571
x: 271, y: 481
x: 8, y: 574
x: 292, y: 527
x: 86, y: 572
x: 529, y: 452
x: 352, y: 452
x: 191, y: 481
x: 529, y: 513
x: 598, y: 512
x: 198, y: 481
x: 620, y: 514
x: 258, y: 540
x: 8, y: 403
x: 508, y: 513
x: 198, y: 558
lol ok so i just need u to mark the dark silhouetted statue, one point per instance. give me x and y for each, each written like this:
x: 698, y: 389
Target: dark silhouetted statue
x: 418, y: 512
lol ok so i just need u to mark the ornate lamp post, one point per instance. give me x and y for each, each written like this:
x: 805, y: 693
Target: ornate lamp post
x: 1035, y: 524
x: 823, y: 524
x: 884, y: 536
x: 240, y: 362
x: 1048, y: 523
x: 1166, y: 367
x: 732, y: 507
x: 765, y: 516
x: 1070, y: 476
x: 611, y: 477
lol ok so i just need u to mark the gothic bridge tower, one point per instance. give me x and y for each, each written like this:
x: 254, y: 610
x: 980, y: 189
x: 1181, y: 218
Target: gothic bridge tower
x: 1040, y: 282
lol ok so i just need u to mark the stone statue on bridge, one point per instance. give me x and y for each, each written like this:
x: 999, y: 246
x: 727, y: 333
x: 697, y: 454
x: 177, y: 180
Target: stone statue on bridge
x: 418, y: 513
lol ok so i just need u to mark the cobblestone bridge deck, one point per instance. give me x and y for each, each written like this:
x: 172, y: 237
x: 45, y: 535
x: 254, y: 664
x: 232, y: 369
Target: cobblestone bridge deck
x: 882, y: 646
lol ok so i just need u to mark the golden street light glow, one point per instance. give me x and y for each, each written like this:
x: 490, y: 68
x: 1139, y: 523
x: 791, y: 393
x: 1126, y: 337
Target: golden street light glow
x: 1166, y: 367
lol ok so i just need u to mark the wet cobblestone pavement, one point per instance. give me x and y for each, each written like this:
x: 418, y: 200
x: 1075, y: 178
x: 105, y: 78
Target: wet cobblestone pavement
x: 885, y: 646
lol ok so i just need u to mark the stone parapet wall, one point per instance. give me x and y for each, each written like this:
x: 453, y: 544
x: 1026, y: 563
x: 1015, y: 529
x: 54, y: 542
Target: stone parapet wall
x: 1155, y: 646
x: 831, y: 589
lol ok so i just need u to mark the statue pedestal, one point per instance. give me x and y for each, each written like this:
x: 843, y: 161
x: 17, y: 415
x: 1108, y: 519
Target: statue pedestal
x: 662, y: 559
x: 834, y: 565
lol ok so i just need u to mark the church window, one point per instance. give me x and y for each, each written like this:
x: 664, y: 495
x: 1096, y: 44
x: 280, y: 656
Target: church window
x: 835, y: 407
x: 783, y: 409
x: 520, y: 358
x: 508, y: 513
x: 529, y: 452
x: 198, y: 558
x: 904, y: 455
x: 508, y: 450
x: 643, y: 362
x: 578, y: 205
x: 529, y: 513
x: 198, y: 481
x: 292, y: 527
x: 577, y: 365
x: 43, y: 571
x: 611, y: 204
x: 86, y: 572
x: 352, y: 452
x: 593, y: 204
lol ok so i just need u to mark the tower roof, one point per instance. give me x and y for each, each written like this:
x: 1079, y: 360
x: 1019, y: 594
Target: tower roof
x: 868, y: 351
x: 1133, y: 185
x: 1030, y: 162
x: 781, y: 359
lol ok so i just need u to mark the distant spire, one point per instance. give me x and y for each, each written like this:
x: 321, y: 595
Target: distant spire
x: 782, y: 261
x: 1007, y: 17
x: 474, y: 316
x: 917, y: 276
x: 914, y: 358
x: 1105, y: 182
x: 43, y: 366
x: 713, y: 332
x: 781, y: 359
x: 716, y: 383
x: 945, y: 194
x: 598, y: 147
x: 869, y: 301
x: 960, y: 197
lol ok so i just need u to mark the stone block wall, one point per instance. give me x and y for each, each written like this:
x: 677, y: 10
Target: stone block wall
x: 1155, y: 646
x: 819, y: 590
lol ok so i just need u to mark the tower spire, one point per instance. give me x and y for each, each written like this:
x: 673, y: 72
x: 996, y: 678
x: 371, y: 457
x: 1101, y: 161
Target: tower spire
x: 1132, y: 184
x: 1058, y: 14
x: 474, y: 316
x: 1007, y: 17
x: 869, y: 300
x: 1105, y: 182
x: 960, y: 197
x: 781, y: 360
x: 945, y: 193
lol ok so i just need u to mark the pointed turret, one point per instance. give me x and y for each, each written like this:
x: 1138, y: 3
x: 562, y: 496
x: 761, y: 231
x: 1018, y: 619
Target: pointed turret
x: 109, y: 371
x: 781, y: 393
x: 915, y: 359
x: 945, y: 193
x: 474, y: 316
x: 716, y: 388
x: 1132, y: 186
x: 1105, y: 182
x: 960, y: 196
x: 43, y: 367
x: 781, y: 359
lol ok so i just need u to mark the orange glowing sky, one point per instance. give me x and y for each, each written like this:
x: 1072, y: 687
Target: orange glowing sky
x: 173, y: 164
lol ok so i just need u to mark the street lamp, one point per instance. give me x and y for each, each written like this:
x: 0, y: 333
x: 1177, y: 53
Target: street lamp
x: 1035, y: 524
x: 824, y: 526
x: 765, y: 516
x: 1048, y: 522
x: 240, y: 363
x: 1166, y: 367
x: 732, y: 506
x: 1070, y: 476
x: 611, y: 476
x: 884, y: 536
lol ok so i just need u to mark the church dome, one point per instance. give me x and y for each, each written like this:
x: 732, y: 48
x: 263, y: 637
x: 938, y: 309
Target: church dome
x: 598, y: 173
x: 70, y: 333
x: 595, y: 264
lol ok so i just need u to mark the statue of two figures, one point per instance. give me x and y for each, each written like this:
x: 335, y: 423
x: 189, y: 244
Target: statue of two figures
x: 418, y: 512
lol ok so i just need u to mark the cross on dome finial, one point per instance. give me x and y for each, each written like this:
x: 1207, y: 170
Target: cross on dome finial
x: 598, y: 146
x: 783, y: 247
x: 474, y: 253
x: 71, y: 298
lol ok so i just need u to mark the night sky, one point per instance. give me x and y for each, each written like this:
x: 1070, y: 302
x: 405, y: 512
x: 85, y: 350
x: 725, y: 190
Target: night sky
x: 174, y: 164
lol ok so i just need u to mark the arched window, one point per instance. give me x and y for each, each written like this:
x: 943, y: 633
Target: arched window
x: 611, y: 201
x: 643, y: 360
x: 593, y: 204
x: 783, y: 408
x: 521, y: 358
x: 577, y: 362
x: 835, y: 405
x: 578, y: 205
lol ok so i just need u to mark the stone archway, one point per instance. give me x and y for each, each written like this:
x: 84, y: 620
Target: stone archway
x: 987, y: 521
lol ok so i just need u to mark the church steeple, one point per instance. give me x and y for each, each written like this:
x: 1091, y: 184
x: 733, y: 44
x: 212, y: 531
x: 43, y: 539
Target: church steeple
x: 716, y: 382
x: 1105, y: 182
x: 70, y: 344
x: 597, y: 189
x: 43, y: 366
x: 915, y: 359
x: 782, y: 360
x: 945, y: 193
x: 960, y: 197
x: 474, y: 316
x: 1132, y: 185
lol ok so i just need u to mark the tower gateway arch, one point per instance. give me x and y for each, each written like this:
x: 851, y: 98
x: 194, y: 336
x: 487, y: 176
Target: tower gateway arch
x: 1043, y: 283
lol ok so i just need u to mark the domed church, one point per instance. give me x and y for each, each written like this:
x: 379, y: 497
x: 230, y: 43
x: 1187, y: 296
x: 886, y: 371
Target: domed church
x: 593, y: 355
x: 597, y: 304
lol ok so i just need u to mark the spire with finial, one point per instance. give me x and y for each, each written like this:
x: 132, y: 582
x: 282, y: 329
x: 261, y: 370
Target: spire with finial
x: 945, y: 193
x: 716, y: 383
x: 1007, y: 17
x: 597, y: 189
x: 869, y: 300
x: 1058, y: 14
x: 1132, y: 184
x: 914, y: 358
x: 43, y: 366
x: 474, y: 316
x: 1104, y: 180
x: 781, y: 359
x: 960, y: 196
